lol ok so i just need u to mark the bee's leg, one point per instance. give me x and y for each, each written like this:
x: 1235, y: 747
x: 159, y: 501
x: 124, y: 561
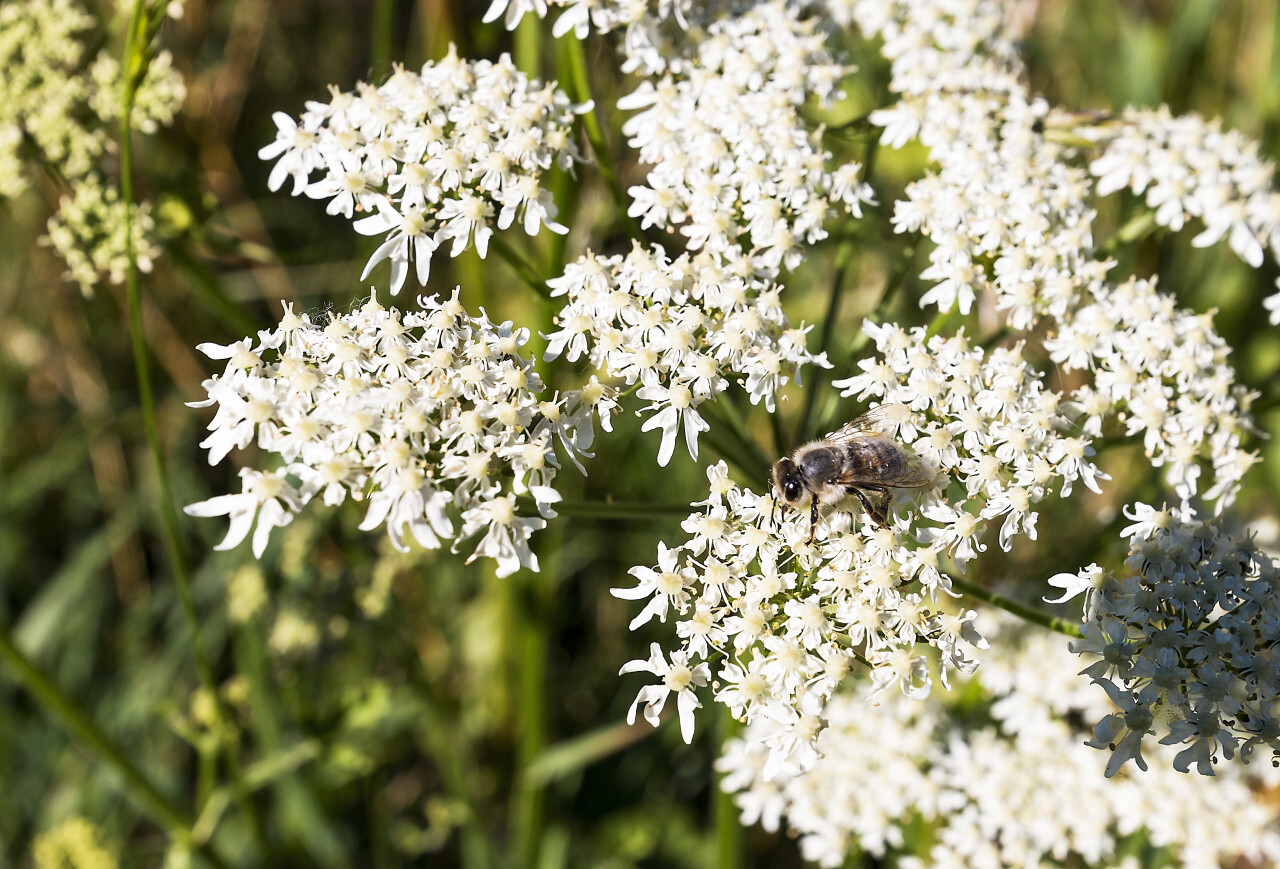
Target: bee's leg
x: 813, y: 517
x: 875, y: 500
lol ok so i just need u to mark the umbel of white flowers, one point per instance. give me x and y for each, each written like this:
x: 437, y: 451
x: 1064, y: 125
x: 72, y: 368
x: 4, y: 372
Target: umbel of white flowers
x: 439, y: 156
x: 433, y: 414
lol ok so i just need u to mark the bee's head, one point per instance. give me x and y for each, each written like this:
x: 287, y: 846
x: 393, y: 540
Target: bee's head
x: 786, y: 482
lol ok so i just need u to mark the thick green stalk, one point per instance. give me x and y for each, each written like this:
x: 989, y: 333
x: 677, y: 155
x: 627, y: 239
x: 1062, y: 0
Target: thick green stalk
x: 382, y: 26
x: 580, y: 91
x: 135, y: 66
x: 1017, y: 608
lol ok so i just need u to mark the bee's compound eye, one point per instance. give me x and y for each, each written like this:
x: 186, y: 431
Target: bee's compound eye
x: 791, y: 489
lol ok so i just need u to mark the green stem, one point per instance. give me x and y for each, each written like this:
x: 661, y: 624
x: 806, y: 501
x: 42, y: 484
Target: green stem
x: 62, y: 707
x: 520, y: 266
x: 205, y: 282
x: 729, y: 830
x: 380, y: 48
x: 844, y: 256
x: 941, y: 321
x: 726, y: 413
x: 1017, y: 608
x: 580, y: 92
x: 135, y: 66
x: 620, y: 509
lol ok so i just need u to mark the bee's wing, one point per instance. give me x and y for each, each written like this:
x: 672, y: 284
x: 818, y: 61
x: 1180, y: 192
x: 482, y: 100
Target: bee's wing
x: 912, y: 472
x: 878, y: 420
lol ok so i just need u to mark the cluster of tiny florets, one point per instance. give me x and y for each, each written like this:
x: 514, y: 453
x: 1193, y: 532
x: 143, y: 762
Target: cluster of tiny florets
x: 1020, y: 791
x: 68, y: 108
x: 680, y: 329
x: 429, y: 415
x: 436, y: 157
x: 1187, y: 167
x: 784, y: 618
x: 986, y: 421
x: 1184, y: 644
x: 1008, y: 213
x: 733, y: 162
x: 88, y: 232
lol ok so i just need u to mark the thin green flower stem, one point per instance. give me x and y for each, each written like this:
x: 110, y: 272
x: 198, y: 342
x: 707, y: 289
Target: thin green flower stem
x: 619, y: 509
x: 580, y: 92
x: 157, y: 806
x: 727, y: 413
x: 135, y: 66
x: 844, y: 256
x: 941, y: 321
x: 205, y: 282
x: 531, y: 647
x: 1017, y: 608
x: 520, y: 266
x: 730, y: 834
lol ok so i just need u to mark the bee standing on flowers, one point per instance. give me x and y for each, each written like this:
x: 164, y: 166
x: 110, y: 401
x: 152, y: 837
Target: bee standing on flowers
x: 858, y: 460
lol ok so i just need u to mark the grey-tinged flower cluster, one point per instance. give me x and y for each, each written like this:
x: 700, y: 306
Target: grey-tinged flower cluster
x: 436, y: 157
x: 68, y: 108
x: 429, y: 415
x: 784, y: 620
x: 1187, y: 167
x: 733, y: 162
x: 1185, y: 644
x: 679, y: 330
x: 1020, y: 791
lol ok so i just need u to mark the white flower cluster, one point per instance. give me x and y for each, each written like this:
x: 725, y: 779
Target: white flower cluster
x: 71, y: 115
x: 1187, y: 642
x: 1021, y: 791
x: 1162, y: 371
x: 986, y: 421
x: 640, y: 17
x: 436, y: 157
x: 426, y: 414
x: 733, y: 163
x: 1007, y: 194
x: 784, y: 620
x: 1189, y: 167
x: 679, y: 329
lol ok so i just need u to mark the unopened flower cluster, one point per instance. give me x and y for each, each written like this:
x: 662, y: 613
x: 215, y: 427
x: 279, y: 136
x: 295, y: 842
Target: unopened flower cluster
x: 433, y: 416
x: 437, y: 157
x: 681, y: 329
x: 1184, y: 643
x: 771, y: 624
x: 733, y: 162
x: 69, y: 110
x: 1020, y: 791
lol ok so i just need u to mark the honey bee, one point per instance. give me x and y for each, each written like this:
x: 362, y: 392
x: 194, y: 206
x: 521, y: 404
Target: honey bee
x: 859, y: 459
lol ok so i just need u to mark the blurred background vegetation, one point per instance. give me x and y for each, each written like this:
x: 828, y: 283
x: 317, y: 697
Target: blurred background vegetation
x: 396, y: 709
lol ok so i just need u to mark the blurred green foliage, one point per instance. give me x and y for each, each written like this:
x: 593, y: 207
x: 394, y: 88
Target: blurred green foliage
x: 394, y: 710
